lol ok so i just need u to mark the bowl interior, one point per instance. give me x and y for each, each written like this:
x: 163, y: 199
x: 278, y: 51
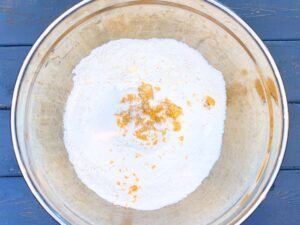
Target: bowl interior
x: 253, y: 123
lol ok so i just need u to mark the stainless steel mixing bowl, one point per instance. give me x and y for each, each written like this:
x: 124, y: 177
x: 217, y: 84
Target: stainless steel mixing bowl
x: 256, y: 125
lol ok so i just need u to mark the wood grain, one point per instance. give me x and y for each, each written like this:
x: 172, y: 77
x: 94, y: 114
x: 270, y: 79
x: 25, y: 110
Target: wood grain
x: 270, y: 19
x: 23, y: 21
x: 18, y: 206
x: 292, y: 156
x: 11, y: 59
x: 8, y: 163
x: 281, y: 207
x: 287, y: 57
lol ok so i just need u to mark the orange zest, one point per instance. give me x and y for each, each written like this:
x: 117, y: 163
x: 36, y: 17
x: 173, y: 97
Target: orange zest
x: 150, y: 121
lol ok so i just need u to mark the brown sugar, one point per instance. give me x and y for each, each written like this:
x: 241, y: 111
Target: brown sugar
x: 150, y: 121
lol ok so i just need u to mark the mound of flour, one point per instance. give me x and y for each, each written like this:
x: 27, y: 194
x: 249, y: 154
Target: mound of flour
x: 118, y: 166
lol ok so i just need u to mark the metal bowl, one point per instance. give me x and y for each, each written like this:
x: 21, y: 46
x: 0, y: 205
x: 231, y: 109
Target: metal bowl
x: 256, y: 126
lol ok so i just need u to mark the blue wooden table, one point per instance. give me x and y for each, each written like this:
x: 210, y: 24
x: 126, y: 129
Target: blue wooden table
x: 277, y: 22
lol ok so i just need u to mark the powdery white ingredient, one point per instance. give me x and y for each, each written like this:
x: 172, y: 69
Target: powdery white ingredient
x: 120, y: 169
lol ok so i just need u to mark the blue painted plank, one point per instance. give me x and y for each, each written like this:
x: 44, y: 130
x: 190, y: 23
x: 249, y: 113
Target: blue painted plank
x: 23, y: 21
x: 18, y: 206
x: 8, y: 163
x: 270, y: 19
x: 287, y: 57
x: 11, y: 59
x: 292, y: 156
x: 285, y: 53
x: 281, y: 207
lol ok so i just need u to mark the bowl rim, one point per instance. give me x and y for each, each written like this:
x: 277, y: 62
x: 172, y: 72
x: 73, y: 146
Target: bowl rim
x: 247, y: 211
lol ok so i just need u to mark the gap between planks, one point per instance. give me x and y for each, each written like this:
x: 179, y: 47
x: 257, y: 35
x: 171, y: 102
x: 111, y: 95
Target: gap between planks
x: 264, y: 40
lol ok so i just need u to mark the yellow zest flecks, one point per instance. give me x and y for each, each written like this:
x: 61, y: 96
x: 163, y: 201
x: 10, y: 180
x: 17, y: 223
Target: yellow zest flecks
x: 176, y: 126
x: 128, y: 98
x: 153, y: 167
x: 129, y: 184
x: 138, y: 155
x: 209, y: 102
x: 157, y: 88
x: 181, y: 138
x: 150, y: 121
x: 189, y: 103
x: 134, y: 198
x: 136, y: 177
x: 132, y: 189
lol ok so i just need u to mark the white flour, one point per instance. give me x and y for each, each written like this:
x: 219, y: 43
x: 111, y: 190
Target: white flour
x: 121, y: 169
